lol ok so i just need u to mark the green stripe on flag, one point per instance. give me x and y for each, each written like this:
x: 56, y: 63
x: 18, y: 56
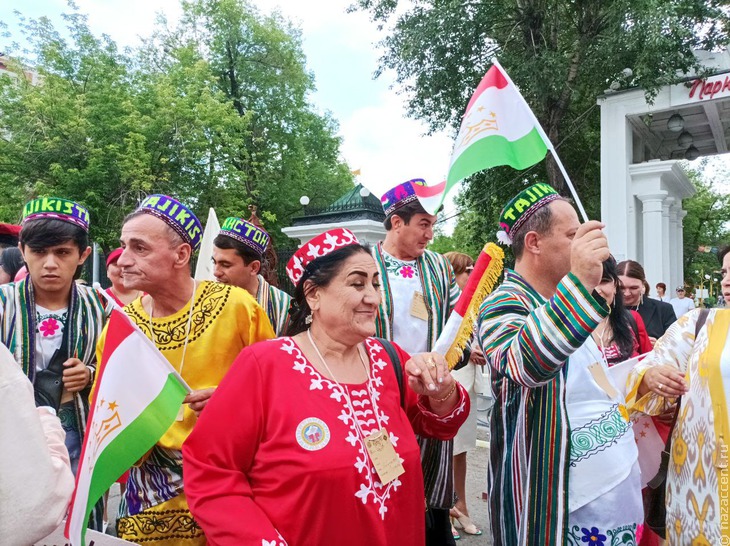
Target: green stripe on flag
x: 135, y: 440
x: 495, y: 150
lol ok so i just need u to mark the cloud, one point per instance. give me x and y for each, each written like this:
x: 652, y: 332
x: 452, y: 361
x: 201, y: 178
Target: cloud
x: 390, y: 148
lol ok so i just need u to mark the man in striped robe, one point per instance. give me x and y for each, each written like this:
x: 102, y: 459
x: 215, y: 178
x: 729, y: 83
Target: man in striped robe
x: 238, y: 255
x: 49, y: 321
x: 563, y: 466
x: 419, y: 292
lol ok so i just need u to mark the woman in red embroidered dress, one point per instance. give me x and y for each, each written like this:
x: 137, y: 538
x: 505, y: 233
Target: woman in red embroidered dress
x: 116, y: 291
x: 284, y: 451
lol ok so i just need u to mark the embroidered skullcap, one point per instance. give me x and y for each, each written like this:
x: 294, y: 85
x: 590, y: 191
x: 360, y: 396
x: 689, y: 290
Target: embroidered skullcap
x: 400, y: 196
x: 521, y: 208
x: 9, y: 235
x: 10, y: 229
x: 56, y: 208
x: 319, y: 246
x: 176, y: 215
x: 113, y: 256
x: 247, y: 233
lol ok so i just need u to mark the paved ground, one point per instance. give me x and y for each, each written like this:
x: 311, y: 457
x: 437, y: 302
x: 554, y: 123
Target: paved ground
x: 476, y: 484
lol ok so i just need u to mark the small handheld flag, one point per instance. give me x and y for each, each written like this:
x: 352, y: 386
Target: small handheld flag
x: 204, y: 267
x: 460, y: 326
x: 137, y: 397
x: 498, y: 128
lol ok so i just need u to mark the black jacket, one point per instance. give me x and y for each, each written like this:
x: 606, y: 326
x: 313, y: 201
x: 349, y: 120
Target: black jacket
x: 657, y: 316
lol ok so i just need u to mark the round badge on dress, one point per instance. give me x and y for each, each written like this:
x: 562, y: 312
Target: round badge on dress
x: 313, y: 434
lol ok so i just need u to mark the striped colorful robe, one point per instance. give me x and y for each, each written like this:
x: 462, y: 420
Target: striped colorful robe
x: 439, y: 288
x: 17, y: 329
x: 276, y: 303
x: 91, y: 309
x: 527, y: 341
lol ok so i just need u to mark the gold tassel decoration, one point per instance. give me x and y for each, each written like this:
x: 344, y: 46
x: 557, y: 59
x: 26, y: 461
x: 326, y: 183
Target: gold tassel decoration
x: 485, y: 286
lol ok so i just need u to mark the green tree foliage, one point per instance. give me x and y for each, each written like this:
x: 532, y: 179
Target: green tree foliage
x: 106, y: 127
x: 76, y: 133
x: 707, y: 223
x: 562, y: 54
x: 287, y: 149
x: 469, y: 235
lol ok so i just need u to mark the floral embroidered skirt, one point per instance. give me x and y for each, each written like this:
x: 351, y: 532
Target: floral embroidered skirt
x: 613, y: 519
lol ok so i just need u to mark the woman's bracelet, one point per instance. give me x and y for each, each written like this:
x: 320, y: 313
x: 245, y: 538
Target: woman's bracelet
x: 451, y: 391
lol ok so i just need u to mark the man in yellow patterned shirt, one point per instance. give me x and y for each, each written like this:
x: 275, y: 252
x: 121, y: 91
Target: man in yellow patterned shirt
x: 200, y: 328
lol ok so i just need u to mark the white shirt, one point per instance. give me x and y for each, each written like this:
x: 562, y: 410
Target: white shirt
x: 682, y: 305
x: 48, y: 335
x: 36, y: 479
x: 410, y: 332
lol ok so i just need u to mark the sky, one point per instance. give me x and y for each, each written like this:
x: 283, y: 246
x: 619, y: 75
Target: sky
x: 342, y: 53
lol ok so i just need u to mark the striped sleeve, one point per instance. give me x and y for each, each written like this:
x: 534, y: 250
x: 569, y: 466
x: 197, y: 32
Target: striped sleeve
x: 530, y: 346
x: 454, y: 290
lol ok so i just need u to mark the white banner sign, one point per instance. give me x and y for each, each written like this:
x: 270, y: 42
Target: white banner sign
x: 93, y: 538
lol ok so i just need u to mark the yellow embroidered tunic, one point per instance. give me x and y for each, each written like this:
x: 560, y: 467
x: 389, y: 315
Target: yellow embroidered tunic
x: 225, y: 319
x: 698, y: 481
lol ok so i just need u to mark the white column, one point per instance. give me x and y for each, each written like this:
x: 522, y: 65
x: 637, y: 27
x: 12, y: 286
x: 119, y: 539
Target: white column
x: 680, y: 244
x: 668, y: 249
x: 652, y: 219
x: 675, y: 244
x: 617, y: 204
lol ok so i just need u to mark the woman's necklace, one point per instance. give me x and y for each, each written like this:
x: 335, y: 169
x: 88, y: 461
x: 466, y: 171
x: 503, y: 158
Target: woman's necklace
x: 600, y: 336
x: 180, y: 414
x: 380, y: 449
x: 326, y: 367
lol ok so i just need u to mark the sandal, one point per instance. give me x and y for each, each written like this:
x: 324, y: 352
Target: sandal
x: 465, y: 523
x: 454, y: 532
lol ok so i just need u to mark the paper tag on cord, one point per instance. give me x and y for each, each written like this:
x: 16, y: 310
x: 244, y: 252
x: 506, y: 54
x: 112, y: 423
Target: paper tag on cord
x: 418, y: 306
x: 383, y: 456
x: 600, y: 377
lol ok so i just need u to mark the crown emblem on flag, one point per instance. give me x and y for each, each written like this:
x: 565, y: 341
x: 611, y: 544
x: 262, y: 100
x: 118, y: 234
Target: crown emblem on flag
x: 106, y: 427
x: 486, y: 123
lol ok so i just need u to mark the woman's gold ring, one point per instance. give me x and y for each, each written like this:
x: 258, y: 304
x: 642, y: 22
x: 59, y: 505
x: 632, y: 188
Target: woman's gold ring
x: 661, y: 386
x: 431, y: 363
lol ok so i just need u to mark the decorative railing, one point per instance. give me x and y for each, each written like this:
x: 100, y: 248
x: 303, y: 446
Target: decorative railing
x: 333, y: 209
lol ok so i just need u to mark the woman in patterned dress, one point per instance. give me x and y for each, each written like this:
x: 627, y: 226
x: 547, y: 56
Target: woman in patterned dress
x: 693, y: 361
x: 289, y: 450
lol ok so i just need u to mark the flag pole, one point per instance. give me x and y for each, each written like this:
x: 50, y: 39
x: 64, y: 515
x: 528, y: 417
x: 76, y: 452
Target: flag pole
x: 547, y: 143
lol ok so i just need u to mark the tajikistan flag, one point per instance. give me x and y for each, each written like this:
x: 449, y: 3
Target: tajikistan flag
x: 137, y: 397
x: 498, y: 128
